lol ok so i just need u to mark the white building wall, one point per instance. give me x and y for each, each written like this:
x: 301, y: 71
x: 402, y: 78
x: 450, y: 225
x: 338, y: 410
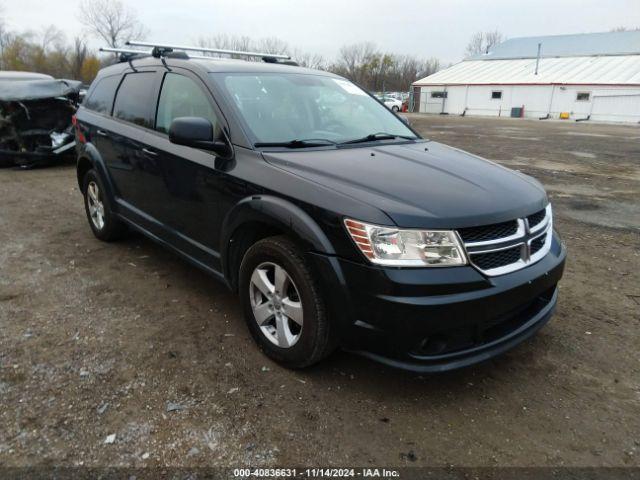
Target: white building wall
x: 456, y: 99
x: 536, y: 99
x: 613, y: 104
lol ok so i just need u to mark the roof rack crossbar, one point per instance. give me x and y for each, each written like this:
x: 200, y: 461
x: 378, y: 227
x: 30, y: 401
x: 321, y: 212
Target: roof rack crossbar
x: 129, y: 51
x: 221, y: 51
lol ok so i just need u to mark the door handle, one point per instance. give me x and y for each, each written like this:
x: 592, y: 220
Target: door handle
x: 146, y: 151
x: 102, y: 133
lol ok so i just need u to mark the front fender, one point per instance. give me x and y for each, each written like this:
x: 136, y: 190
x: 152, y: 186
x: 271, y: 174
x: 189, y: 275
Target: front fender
x: 288, y: 217
x: 279, y: 213
x: 276, y: 212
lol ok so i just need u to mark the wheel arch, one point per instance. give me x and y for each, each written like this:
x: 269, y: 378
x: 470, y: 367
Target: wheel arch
x: 261, y: 216
x: 89, y: 158
x: 83, y: 165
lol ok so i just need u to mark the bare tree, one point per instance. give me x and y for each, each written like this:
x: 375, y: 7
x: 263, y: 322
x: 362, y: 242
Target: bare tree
x: 51, y: 37
x: 482, y: 42
x: 227, y: 42
x: 408, y: 69
x: 273, y: 45
x: 475, y: 45
x: 354, y: 61
x: 310, y: 60
x: 364, y: 64
x: 111, y: 21
x: 78, y: 56
x: 6, y: 38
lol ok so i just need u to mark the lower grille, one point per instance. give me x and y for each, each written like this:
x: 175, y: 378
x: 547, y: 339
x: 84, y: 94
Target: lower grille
x: 488, y: 261
x: 456, y: 339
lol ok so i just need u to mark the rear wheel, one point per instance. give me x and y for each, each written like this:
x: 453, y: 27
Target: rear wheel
x: 395, y: 108
x: 103, y: 222
x: 282, y: 304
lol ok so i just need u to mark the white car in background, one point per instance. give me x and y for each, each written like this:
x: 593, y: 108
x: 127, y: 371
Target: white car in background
x: 392, y: 103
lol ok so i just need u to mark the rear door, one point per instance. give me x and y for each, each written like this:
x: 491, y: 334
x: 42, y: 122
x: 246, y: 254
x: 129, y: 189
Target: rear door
x: 134, y: 109
x: 95, y: 115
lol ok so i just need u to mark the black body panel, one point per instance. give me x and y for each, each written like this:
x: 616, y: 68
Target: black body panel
x: 195, y: 203
x: 423, y: 184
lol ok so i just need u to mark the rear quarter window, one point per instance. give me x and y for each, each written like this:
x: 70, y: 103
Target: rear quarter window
x: 135, y: 99
x: 101, y: 99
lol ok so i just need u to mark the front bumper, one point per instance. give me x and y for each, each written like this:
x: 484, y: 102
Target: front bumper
x: 437, y: 319
x: 44, y: 156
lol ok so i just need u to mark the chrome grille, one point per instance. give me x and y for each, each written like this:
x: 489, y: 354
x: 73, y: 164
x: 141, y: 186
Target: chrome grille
x: 500, y: 258
x: 536, y: 218
x: 498, y: 249
x: 488, y: 232
x: 537, y: 244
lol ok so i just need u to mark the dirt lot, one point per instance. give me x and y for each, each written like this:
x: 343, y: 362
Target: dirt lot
x: 99, y: 340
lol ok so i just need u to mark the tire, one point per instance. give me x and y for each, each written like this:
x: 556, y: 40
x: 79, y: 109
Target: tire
x: 98, y: 206
x: 395, y: 109
x: 302, y: 337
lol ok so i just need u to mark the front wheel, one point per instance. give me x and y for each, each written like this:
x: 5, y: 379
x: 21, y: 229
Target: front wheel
x: 282, y: 304
x: 395, y: 109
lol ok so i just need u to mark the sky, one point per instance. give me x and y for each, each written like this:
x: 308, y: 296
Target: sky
x: 424, y: 28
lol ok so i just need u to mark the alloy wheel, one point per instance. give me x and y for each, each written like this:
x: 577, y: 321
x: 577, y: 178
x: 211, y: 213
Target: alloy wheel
x: 96, y: 206
x: 276, y: 304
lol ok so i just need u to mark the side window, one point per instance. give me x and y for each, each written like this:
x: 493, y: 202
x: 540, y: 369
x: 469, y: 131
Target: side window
x: 182, y: 97
x: 134, y: 100
x: 101, y: 99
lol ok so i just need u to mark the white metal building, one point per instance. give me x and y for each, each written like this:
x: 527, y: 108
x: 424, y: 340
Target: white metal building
x: 587, y: 76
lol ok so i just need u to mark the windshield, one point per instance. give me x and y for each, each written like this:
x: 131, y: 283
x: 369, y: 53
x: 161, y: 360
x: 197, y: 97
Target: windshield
x: 287, y: 107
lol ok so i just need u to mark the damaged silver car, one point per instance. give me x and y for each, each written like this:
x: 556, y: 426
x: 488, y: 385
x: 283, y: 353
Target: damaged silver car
x: 35, y: 118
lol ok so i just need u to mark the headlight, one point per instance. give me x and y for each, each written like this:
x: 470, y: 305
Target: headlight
x: 408, y: 248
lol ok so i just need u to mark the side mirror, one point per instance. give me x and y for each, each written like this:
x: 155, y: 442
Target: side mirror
x: 197, y: 132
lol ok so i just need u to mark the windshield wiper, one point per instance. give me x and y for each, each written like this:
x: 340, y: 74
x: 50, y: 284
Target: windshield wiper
x: 377, y: 136
x: 304, y: 143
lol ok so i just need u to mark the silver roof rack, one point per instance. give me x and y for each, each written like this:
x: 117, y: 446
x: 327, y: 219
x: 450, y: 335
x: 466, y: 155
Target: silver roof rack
x: 131, y: 51
x: 167, y: 47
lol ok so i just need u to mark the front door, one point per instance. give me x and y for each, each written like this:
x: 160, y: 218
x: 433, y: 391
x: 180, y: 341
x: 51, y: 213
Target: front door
x: 188, y: 207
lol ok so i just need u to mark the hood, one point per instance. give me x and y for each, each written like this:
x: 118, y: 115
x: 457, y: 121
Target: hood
x: 23, y: 90
x: 420, y: 185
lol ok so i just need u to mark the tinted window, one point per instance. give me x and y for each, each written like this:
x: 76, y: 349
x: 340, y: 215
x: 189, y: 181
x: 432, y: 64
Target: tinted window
x: 496, y: 94
x: 101, y: 99
x: 583, y: 96
x: 438, y: 94
x: 182, y: 97
x: 134, y: 100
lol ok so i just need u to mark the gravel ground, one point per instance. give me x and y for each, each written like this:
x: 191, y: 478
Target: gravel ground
x: 122, y: 354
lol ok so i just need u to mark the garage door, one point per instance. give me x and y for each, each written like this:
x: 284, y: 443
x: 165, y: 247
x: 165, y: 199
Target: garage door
x: 616, y: 108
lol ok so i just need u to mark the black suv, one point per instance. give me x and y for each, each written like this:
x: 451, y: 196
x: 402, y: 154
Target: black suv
x: 336, y: 223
